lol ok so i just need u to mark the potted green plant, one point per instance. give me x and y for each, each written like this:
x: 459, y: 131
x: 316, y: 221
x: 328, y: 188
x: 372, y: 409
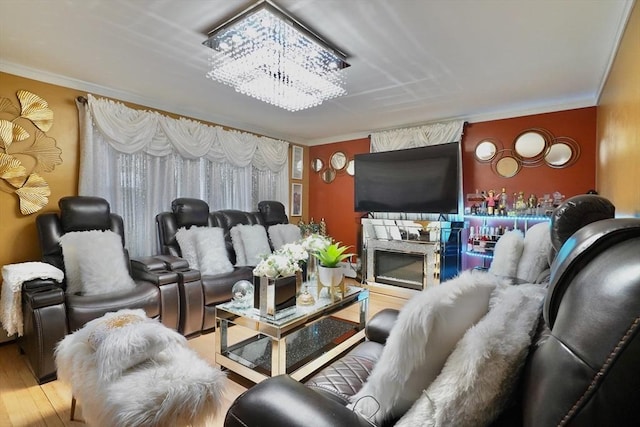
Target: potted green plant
x: 330, y: 274
x: 331, y: 255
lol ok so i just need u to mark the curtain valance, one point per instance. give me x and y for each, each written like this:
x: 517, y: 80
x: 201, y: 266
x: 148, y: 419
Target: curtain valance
x: 131, y: 131
x: 420, y: 136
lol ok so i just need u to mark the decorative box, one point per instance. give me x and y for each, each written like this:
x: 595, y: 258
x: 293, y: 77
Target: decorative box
x: 275, y: 297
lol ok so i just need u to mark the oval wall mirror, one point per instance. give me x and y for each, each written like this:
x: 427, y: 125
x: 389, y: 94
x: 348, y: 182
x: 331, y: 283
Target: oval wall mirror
x: 317, y: 165
x: 351, y: 167
x: 530, y: 144
x: 328, y: 175
x: 559, y: 155
x: 507, y: 167
x: 486, y: 150
x: 338, y: 160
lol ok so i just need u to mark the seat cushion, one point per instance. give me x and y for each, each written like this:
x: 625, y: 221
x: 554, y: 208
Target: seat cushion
x: 345, y: 377
x: 81, y: 309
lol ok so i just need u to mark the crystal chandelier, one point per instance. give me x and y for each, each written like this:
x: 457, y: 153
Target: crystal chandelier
x: 265, y: 53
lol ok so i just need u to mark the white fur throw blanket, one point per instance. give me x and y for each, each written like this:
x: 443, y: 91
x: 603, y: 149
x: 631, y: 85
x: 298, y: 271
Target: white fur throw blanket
x: 479, y: 376
x: 425, y: 334
x: 13, y: 276
x: 162, y: 382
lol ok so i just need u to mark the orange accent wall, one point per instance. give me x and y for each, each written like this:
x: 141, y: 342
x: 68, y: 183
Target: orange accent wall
x: 578, y: 124
x: 334, y: 201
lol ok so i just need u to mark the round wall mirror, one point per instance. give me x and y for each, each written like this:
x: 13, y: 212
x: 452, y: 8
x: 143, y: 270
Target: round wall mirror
x: 486, y: 150
x: 328, y: 175
x: 559, y: 155
x: 338, y: 160
x: 317, y: 165
x: 351, y: 167
x: 530, y: 144
x: 507, y: 167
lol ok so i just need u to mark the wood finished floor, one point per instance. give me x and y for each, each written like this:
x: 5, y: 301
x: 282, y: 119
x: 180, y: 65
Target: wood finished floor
x: 25, y: 403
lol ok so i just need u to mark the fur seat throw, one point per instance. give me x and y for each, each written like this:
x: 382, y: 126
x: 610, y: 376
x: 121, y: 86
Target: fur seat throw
x: 13, y: 276
x: 127, y: 369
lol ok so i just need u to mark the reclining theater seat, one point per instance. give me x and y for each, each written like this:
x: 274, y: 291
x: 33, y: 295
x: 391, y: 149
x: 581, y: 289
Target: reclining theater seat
x: 200, y: 294
x: 50, y: 313
x: 582, y: 368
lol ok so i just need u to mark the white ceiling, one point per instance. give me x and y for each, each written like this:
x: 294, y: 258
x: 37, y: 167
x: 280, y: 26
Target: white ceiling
x: 412, y: 61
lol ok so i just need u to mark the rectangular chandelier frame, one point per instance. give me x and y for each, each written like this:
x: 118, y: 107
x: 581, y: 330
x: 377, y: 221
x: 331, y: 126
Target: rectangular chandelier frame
x: 266, y: 53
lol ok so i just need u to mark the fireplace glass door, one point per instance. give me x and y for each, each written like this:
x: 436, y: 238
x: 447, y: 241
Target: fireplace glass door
x: 400, y: 269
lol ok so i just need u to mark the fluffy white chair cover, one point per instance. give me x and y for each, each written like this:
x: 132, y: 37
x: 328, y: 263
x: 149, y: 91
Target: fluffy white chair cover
x: 172, y: 387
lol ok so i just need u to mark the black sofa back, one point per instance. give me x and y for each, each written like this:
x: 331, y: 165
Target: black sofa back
x: 200, y: 294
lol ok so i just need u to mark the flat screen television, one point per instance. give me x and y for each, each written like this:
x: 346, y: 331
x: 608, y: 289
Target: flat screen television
x: 415, y: 180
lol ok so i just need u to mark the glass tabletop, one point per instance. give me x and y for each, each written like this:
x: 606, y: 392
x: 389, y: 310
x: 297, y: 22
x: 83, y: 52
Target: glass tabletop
x: 297, y: 312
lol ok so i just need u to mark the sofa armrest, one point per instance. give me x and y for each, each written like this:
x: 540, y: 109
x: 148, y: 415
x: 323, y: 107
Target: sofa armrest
x: 37, y: 285
x: 39, y: 293
x: 191, y: 294
x: 152, y: 270
x: 380, y: 324
x: 282, y: 401
x: 172, y: 262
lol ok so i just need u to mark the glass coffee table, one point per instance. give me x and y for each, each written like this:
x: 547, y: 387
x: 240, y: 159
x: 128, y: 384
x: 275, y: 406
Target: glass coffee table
x: 297, y: 344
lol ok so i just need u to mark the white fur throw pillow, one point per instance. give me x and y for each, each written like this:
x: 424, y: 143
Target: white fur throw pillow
x: 250, y: 243
x: 238, y: 246
x: 281, y: 234
x: 94, y: 262
x: 426, y: 332
x: 479, y: 376
x: 535, y: 256
x: 186, y: 238
x: 212, y: 252
x: 507, y: 253
x: 122, y: 340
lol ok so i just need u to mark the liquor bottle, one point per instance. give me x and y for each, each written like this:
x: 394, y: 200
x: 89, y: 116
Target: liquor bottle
x: 471, y: 238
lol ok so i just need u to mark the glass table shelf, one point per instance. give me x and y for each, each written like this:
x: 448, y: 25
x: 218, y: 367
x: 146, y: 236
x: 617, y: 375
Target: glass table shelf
x: 298, y: 343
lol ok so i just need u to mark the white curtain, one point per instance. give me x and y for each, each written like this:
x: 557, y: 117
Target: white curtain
x: 398, y: 139
x: 420, y: 136
x: 141, y: 160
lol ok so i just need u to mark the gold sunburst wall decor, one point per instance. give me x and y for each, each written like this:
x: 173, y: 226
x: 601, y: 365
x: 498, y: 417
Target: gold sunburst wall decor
x: 26, y: 151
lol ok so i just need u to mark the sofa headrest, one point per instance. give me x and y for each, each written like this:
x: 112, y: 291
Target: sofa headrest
x: 83, y: 213
x: 272, y: 212
x: 578, y: 252
x: 575, y: 213
x: 190, y: 212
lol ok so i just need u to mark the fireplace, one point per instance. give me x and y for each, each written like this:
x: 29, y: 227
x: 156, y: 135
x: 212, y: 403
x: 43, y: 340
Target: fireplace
x: 407, y: 270
x: 404, y: 264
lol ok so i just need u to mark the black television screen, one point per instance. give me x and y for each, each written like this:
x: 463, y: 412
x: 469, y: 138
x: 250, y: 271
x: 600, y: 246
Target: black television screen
x: 416, y: 180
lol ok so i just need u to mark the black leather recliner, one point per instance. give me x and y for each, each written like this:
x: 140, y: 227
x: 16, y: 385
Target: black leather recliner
x: 200, y: 294
x: 582, y: 368
x: 49, y: 313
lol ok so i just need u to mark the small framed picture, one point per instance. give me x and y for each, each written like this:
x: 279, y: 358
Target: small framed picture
x: 296, y: 199
x: 296, y: 162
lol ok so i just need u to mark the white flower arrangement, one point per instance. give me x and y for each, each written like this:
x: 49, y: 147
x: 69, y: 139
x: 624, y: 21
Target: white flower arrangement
x: 278, y: 264
x: 314, y: 243
x: 287, y: 260
x: 296, y: 251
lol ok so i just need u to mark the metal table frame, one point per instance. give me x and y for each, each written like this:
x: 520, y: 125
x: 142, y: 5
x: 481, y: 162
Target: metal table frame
x: 277, y: 331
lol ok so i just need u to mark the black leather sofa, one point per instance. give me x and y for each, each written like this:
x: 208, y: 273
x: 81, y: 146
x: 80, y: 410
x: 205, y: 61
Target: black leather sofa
x: 583, y: 366
x: 49, y: 313
x: 199, y: 294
